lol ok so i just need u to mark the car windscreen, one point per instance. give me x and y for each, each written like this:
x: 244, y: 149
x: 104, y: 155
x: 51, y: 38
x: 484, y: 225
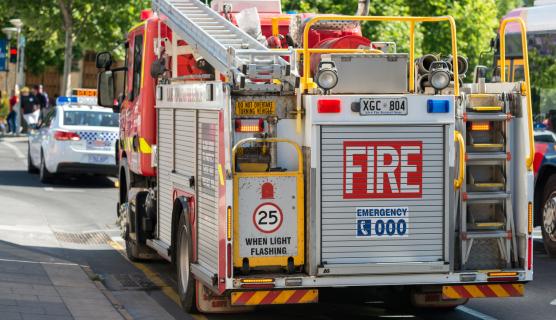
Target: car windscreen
x: 545, y: 138
x: 90, y: 118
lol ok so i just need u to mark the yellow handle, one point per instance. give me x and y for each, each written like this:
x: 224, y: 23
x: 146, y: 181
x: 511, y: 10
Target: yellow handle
x: 306, y: 81
x: 525, y: 54
x: 272, y: 140
x: 275, y: 26
x: 459, y: 138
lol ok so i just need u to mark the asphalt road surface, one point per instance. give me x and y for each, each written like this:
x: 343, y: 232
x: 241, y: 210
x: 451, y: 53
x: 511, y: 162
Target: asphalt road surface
x: 74, y: 218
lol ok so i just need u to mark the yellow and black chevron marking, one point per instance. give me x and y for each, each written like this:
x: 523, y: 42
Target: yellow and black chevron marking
x: 483, y: 291
x: 252, y: 298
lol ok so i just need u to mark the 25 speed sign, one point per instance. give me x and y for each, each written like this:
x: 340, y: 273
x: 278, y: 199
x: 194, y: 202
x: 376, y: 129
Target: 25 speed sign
x: 268, y: 217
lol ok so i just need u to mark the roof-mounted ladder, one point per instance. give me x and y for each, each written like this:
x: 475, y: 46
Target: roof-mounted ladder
x: 228, y: 48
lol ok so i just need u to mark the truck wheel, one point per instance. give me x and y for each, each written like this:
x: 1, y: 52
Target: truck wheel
x: 186, y: 283
x: 131, y: 247
x: 549, y: 216
x: 44, y: 175
x: 30, y: 167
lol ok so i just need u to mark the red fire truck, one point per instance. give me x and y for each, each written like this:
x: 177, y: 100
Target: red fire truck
x: 269, y: 156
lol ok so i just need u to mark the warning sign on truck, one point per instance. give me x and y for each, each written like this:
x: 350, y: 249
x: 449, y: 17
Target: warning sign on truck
x: 381, y: 222
x: 255, y: 108
x: 267, y: 217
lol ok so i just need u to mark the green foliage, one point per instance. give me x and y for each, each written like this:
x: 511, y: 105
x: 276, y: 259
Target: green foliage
x: 102, y: 24
x: 98, y: 24
x: 543, y: 81
x: 476, y: 22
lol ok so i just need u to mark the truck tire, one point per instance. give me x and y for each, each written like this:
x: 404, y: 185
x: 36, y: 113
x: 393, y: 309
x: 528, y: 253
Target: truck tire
x: 184, y: 249
x: 548, y: 224
x: 131, y: 247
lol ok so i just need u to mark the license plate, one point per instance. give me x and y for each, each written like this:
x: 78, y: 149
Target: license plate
x: 383, y: 106
x: 98, y: 159
x: 255, y: 108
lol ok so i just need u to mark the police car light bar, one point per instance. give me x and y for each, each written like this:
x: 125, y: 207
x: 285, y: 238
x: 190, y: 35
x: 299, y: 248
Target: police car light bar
x: 83, y: 100
x: 66, y: 100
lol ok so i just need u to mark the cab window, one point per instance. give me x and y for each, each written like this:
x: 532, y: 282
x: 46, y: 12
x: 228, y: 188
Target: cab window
x: 137, y: 62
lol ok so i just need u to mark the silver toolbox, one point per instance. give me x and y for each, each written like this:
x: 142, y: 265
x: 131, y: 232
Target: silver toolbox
x: 371, y: 73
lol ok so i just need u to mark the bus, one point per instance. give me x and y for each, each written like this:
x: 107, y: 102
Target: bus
x: 541, y: 38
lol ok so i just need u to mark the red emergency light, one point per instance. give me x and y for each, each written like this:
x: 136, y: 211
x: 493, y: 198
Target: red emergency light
x: 146, y: 14
x: 329, y: 106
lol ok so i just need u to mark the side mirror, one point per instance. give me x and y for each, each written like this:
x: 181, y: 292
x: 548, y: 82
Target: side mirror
x: 105, y: 86
x: 104, y: 60
x: 480, y: 72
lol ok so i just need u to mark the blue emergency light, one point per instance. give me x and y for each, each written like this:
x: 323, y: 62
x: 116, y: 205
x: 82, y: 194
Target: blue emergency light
x: 438, y: 106
x: 66, y: 100
x: 81, y: 100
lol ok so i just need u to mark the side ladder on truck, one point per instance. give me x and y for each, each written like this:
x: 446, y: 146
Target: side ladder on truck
x: 487, y: 230
x: 227, y: 48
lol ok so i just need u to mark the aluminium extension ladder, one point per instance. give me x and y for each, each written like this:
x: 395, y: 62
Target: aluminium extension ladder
x: 487, y: 233
x: 226, y: 47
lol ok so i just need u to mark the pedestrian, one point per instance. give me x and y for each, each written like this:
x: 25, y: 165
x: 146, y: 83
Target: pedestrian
x: 42, y: 100
x: 12, y: 115
x: 4, y: 110
x: 30, y: 107
x: 45, y: 94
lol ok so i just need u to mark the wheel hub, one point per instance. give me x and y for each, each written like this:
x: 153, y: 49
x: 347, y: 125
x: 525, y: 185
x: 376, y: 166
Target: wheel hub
x: 549, y: 217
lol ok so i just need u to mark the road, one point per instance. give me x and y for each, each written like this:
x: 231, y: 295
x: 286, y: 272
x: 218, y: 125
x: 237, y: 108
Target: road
x: 73, y: 219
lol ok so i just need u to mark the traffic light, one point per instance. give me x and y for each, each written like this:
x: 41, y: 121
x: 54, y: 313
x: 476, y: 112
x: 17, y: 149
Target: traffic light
x: 13, y: 54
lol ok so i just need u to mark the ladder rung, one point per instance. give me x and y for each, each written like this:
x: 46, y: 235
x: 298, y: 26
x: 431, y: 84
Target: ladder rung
x: 486, y: 195
x: 487, y: 234
x: 487, y: 145
x: 488, y: 184
x: 486, y: 108
x: 478, y: 156
x: 488, y: 224
x: 487, y: 116
x: 483, y: 95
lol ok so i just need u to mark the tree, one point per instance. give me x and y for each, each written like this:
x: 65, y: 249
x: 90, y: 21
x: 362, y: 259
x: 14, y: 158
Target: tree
x: 476, y: 22
x: 59, y: 30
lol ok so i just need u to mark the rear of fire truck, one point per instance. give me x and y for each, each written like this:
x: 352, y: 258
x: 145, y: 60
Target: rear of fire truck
x: 330, y: 161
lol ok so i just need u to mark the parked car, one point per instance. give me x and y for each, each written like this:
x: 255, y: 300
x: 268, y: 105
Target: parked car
x: 545, y: 187
x: 74, y: 138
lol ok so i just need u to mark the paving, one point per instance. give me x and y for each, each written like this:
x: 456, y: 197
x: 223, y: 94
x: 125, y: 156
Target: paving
x: 35, y: 286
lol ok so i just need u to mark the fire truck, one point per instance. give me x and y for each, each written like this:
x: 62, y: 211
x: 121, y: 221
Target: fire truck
x: 271, y: 156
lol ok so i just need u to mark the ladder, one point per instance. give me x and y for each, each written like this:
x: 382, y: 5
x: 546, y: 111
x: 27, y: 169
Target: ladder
x: 487, y: 234
x: 227, y: 48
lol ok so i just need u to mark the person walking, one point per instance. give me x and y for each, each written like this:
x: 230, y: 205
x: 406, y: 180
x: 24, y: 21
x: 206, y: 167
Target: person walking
x: 30, y: 107
x: 45, y: 94
x: 12, y: 114
x: 42, y: 100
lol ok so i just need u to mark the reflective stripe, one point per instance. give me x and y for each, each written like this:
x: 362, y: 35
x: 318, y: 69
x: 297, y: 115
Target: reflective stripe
x: 274, y: 297
x: 483, y: 291
x: 144, y: 146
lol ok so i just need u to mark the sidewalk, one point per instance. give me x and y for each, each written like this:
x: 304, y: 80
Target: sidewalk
x: 35, y: 286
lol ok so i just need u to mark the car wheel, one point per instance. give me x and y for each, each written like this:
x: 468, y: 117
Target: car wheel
x: 30, y: 167
x: 44, y: 175
x: 186, y: 283
x: 549, y: 216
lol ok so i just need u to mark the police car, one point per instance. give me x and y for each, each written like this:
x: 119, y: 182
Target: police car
x: 74, y: 137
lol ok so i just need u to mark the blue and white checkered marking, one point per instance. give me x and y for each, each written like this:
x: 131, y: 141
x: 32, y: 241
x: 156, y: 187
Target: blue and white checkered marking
x: 96, y: 139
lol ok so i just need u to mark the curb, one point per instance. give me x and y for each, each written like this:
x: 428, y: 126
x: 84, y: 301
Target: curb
x: 98, y: 283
